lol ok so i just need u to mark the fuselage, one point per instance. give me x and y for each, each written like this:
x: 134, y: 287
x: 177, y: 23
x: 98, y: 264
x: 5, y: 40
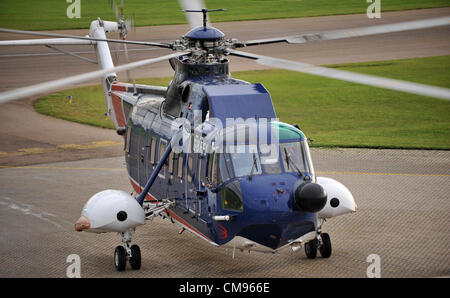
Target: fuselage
x: 210, y: 152
x: 219, y: 195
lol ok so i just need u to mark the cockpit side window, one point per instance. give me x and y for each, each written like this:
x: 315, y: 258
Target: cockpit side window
x: 213, y: 171
x: 231, y: 197
x: 225, y: 167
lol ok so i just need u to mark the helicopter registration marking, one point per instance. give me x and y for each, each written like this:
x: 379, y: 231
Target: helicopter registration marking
x: 223, y: 233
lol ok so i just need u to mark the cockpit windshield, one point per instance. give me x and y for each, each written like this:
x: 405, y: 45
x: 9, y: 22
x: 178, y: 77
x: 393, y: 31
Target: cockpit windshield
x: 245, y: 160
x: 270, y: 158
x: 289, y: 153
x: 295, y: 159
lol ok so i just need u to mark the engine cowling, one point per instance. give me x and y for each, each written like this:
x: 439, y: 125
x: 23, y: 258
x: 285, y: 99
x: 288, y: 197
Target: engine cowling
x: 110, y: 211
x: 339, y: 201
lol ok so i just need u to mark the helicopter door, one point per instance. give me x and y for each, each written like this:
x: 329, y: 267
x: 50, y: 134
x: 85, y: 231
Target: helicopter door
x: 193, y: 172
x: 197, y: 194
x: 211, y: 169
x: 200, y: 190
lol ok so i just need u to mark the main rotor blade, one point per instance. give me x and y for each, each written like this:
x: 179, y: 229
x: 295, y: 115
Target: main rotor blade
x: 56, y: 84
x: 355, y: 32
x: 46, y: 41
x: 144, y: 43
x: 114, y: 7
x: 194, y: 19
x: 126, y: 60
x: 398, y: 85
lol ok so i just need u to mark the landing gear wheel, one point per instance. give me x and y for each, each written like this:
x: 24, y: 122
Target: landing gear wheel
x: 311, y: 248
x: 120, y: 258
x: 325, y: 248
x: 135, y: 259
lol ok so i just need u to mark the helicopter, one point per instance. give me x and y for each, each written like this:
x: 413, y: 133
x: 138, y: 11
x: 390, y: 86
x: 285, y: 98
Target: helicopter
x: 208, y: 152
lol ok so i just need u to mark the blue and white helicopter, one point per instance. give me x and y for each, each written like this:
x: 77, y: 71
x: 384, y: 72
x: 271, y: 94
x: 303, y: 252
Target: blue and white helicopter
x: 208, y: 151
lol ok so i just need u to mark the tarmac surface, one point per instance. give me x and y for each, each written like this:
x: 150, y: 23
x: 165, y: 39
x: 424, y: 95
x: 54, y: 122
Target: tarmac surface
x: 49, y: 168
x: 402, y: 217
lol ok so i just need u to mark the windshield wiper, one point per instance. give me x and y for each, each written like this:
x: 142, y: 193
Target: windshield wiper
x: 254, y: 166
x: 289, y: 162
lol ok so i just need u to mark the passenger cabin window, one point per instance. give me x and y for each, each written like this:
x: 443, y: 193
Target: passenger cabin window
x: 162, y: 148
x: 180, y: 165
x: 127, y: 143
x: 152, y: 151
x: 190, y: 171
x: 171, y: 162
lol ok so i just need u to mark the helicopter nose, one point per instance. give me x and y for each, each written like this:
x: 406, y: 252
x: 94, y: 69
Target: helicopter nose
x: 310, y: 197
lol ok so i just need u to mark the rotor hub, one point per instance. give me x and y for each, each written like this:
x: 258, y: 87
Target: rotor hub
x: 204, y: 34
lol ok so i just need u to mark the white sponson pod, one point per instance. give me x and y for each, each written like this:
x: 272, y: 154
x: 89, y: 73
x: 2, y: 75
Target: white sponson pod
x: 110, y: 211
x: 339, y: 198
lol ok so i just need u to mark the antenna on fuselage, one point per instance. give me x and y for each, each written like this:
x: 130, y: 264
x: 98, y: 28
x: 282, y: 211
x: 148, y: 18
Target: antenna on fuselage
x: 205, y: 13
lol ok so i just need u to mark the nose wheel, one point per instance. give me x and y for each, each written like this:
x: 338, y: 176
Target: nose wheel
x: 321, y: 243
x: 311, y: 248
x: 325, y: 246
x: 125, y: 253
x: 120, y: 258
x: 135, y: 258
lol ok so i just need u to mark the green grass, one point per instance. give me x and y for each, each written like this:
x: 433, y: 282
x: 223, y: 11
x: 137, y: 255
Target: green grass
x: 333, y: 113
x: 88, y: 104
x: 51, y: 14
